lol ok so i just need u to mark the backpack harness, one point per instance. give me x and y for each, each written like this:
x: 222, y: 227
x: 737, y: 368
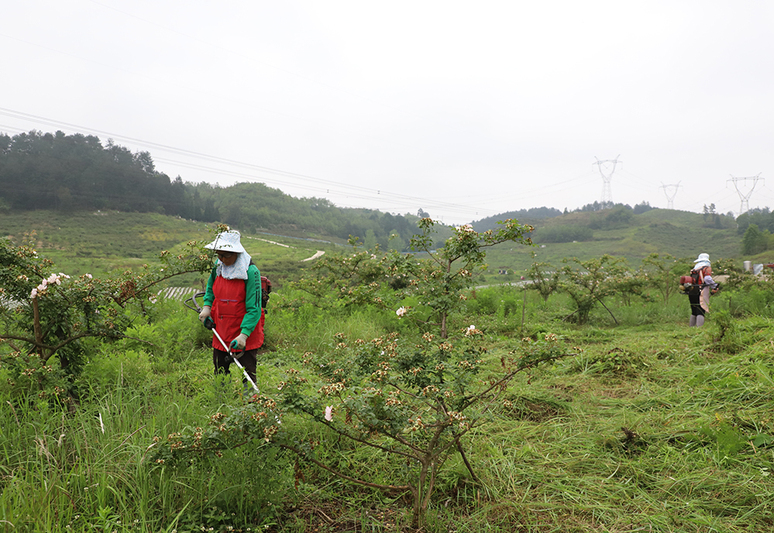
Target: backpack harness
x: 693, y: 283
x: 265, y: 291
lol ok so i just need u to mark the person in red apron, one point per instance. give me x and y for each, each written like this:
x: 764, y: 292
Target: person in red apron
x: 233, y: 301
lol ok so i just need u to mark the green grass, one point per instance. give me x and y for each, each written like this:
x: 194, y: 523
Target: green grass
x: 696, y: 454
x: 86, y: 469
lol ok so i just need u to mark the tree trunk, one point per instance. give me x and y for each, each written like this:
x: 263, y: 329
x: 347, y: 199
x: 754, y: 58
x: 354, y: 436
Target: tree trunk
x: 36, y: 326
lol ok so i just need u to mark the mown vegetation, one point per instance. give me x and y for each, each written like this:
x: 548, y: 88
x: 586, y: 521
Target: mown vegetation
x: 623, y: 420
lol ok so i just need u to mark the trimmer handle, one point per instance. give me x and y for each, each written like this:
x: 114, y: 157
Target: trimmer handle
x: 209, y: 323
x: 236, y: 354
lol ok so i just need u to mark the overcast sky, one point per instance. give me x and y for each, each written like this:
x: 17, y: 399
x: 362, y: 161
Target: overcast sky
x: 464, y: 109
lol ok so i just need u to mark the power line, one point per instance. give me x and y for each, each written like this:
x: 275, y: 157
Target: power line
x: 359, y: 192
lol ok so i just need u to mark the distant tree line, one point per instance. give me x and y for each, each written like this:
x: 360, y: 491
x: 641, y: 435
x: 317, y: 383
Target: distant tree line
x: 761, y: 217
x: 600, y: 206
x: 616, y: 214
x: 76, y: 172
x: 67, y: 172
x: 528, y: 216
x: 600, y: 216
x: 757, y: 229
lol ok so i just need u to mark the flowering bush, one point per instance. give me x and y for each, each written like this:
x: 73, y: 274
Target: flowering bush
x: 256, y: 419
x: 439, y: 281
x: 347, y: 280
x: 47, y: 314
x: 436, y: 279
x: 414, y: 401
x: 544, y: 278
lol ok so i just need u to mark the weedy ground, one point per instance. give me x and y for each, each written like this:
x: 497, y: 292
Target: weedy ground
x: 652, y: 426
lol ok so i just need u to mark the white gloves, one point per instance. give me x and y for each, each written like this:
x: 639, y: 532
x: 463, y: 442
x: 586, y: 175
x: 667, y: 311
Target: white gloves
x: 240, y: 342
x: 204, y: 313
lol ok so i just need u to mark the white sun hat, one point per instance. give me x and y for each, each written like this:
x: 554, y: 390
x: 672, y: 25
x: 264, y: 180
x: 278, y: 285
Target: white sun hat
x: 228, y: 241
x: 702, y: 261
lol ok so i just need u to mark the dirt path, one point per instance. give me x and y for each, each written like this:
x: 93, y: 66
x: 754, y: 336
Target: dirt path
x: 315, y: 256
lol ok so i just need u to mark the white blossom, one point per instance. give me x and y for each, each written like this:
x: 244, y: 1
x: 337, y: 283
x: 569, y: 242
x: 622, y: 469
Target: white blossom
x: 329, y: 413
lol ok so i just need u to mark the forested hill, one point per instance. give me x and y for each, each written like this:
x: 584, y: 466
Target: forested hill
x: 526, y: 216
x: 77, y: 172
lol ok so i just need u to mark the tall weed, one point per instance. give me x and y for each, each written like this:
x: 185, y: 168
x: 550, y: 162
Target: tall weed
x: 79, y: 470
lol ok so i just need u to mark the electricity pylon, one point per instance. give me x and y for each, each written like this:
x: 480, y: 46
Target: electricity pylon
x: 607, y: 176
x: 670, y: 197
x: 745, y: 197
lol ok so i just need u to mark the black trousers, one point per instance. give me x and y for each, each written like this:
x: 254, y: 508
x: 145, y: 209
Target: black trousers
x: 222, y: 361
x: 696, y: 308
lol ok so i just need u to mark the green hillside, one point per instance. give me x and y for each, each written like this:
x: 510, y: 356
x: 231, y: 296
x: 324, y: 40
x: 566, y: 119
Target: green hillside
x: 94, y: 193
x: 102, y: 241
x: 77, y: 173
x: 679, y: 233
x: 98, y: 242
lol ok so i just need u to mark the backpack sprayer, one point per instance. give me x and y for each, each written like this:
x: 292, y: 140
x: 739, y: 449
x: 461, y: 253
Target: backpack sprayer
x: 690, y: 285
x: 209, y: 323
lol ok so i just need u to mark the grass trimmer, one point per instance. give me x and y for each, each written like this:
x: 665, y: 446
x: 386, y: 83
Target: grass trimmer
x: 209, y: 323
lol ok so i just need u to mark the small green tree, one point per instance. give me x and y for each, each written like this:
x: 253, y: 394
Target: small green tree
x: 436, y: 279
x: 661, y: 271
x: 754, y: 241
x: 347, y: 280
x: 630, y: 284
x: 440, y: 281
x: 544, y: 277
x: 587, y: 283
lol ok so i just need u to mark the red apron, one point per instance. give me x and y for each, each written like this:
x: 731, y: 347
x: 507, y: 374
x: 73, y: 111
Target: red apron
x: 228, y: 311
